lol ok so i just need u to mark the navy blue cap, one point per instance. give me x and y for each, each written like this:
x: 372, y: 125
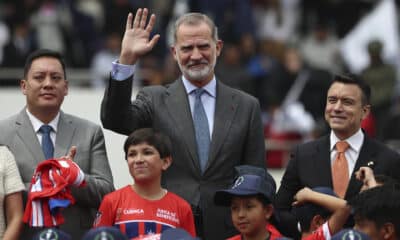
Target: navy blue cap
x: 176, y: 234
x: 248, y: 183
x: 105, y: 233
x: 253, y: 170
x: 350, y: 234
x: 305, y: 212
x: 52, y: 234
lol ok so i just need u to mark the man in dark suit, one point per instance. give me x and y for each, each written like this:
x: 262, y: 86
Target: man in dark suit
x: 233, y: 122
x: 312, y: 164
x: 45, y: 86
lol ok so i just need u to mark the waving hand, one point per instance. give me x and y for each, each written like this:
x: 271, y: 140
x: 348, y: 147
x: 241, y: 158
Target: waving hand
x: 136, y: 41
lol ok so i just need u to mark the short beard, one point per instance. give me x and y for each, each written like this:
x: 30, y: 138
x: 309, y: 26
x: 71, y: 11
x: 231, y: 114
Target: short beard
x: 198, y: 75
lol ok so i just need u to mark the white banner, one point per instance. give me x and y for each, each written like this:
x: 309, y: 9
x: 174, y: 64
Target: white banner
x: 380, y: 23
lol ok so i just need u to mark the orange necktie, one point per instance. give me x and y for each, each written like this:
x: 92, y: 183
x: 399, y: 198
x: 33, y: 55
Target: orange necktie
x: 340, y: 170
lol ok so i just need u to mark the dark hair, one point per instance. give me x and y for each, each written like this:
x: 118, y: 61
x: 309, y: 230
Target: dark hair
x: 379, y: 205
x: 43, y: 53
x: 386, y: 180
x: 152, y: 137
x: 265, y: 201
x: 354, y: 79
x: 305, y: 213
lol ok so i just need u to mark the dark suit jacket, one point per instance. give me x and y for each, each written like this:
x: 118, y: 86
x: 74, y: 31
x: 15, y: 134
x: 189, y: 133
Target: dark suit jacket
x: 310, y: 166
x: 17, y: 133
x: 237, y: 139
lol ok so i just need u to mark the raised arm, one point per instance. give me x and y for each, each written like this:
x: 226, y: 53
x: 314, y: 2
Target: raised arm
x: 117, y: 112
x: 136, y: 41
x: 329, y: 202
x: 338, y: 206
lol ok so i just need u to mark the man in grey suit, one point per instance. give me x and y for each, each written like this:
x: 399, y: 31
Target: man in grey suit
x: 45, y: 87
x: 204, y: 157
x: 312, y: 164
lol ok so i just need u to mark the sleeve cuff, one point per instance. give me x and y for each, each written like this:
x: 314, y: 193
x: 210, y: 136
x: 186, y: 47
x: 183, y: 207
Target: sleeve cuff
x: 121, y: 72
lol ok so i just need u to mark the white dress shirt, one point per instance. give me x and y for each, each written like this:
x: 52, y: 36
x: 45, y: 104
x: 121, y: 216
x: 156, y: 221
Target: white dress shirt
x: 36, y: 123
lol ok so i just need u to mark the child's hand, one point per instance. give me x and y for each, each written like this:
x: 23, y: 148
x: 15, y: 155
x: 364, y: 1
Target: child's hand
x: 302, y: 196
x: 366, y: 175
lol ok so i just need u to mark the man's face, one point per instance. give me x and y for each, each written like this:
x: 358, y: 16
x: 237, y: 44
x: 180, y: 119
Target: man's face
x: 196, y: 52
x: 344, y: 109
x: 45, y: 85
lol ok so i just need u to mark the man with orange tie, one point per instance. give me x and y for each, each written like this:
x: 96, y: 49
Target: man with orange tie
x: 332, y: 160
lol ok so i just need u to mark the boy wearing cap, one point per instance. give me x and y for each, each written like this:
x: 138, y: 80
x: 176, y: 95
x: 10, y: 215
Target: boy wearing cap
x: 250, y: 199
x: 144, y: 207
x: 320, y: 202
x: 319, y: 212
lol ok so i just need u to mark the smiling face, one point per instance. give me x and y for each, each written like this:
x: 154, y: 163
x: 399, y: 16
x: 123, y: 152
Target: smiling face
x: 250, y: 216
x: 145, y: 164
x: 196, y: 52
x: 344, y: 109
x: 44, y: 86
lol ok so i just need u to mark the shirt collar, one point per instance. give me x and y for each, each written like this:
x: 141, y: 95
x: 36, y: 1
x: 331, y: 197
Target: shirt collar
x: 354, y: 141
x: 36, y: 123
x: 211, y: 87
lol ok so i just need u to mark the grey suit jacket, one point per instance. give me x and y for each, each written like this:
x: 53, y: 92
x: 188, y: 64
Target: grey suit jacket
x: 237, y: 139
x: 310, y: 166
x: 17, y: 133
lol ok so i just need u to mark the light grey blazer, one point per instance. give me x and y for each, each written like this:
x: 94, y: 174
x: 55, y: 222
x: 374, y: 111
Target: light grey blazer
x: 237, y: 139
x: 17, y: 133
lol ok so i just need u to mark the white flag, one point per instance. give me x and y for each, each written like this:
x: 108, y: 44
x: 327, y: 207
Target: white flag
x: 381, y: 24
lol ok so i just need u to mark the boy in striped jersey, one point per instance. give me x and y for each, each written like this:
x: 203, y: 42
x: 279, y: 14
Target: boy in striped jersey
x: 144, y: 207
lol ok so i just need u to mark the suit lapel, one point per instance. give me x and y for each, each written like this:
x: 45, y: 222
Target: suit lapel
x: 225, y: 108
x: 28, y: 136
x: 366, y: 155
x: 65, y: 132
x: 178, y: 106
x: 323, y: 159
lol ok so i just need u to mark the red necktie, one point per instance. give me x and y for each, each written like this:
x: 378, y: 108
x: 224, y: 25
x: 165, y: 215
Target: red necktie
x: 340, y: 170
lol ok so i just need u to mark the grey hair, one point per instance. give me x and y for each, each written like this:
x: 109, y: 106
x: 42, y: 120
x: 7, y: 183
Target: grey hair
x: 195, y: 19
